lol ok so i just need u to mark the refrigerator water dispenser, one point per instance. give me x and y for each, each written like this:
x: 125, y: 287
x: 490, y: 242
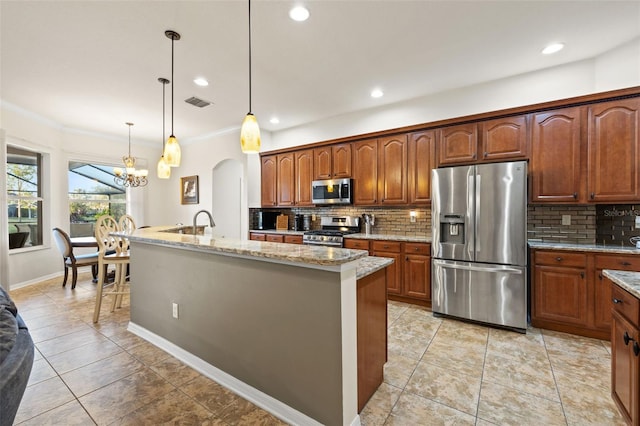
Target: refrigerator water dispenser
x: 452, y: 229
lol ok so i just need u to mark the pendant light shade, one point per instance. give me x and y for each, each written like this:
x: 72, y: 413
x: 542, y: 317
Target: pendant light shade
x: 172, y: 153
x: 250, y: 131
x: 163, y: 169
x: 250, y: 135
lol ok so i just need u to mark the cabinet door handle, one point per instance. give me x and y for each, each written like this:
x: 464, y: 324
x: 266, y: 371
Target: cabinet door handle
x: 406, y: 258
x: 593, y: 195
x: 626, y: 338
x: 616, y: 301
x: 625, y: 263
x: 485, y: 155
x: 600, y: 276
x: 636, y: 348
x: 575, y: 195
x: 416, y: 249
x: 559, y: 259
x: 582, y: 275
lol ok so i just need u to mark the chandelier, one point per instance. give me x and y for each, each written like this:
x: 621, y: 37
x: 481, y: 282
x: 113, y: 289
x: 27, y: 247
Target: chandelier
x: 130, y: 176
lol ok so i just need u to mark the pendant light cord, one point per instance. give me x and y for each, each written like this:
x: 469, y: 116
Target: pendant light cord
x: 163, y: 113
x: 249, y: 56
x: 129, y: 124
x: 172, y: 83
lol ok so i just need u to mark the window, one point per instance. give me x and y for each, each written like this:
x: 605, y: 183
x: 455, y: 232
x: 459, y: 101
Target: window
x: 92, y: 193
x: 24, y: 197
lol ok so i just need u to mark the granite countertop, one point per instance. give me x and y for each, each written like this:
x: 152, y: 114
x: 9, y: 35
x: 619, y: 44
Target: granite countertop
x: 370, y: 264
x: 296, y: 253
x: 391, y: 237
x: 601, y: 248
x: 629, y: 281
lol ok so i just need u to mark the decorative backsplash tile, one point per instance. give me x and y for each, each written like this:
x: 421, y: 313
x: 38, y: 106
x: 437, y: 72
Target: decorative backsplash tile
x: 589, y: 224
x: 617, y: 224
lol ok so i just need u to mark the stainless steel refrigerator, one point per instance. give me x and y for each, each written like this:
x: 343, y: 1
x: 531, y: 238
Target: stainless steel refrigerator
x: 479, y: 246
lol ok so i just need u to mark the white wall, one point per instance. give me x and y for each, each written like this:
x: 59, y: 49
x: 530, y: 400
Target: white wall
x: 617, y: 69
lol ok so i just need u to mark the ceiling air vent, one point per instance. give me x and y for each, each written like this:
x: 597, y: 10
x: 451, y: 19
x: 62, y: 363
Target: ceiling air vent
x: 200, y: 103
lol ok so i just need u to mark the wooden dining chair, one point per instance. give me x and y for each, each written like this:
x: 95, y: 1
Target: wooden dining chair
x: 63, y: 242
x: 127, y: 224
x: 111, y: 250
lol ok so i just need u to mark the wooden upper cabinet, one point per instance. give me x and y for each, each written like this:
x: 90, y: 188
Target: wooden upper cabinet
x: 613, y: 164
x: 555, y: 162
x: 286, y: 179
x: 332, y: 161
x: 458, y: 144
x: 421, y: 159
x: 341, y: 154
x: 365, y: 178
x: 503, y: 139
x: 268, y: 181
x: 392, y: 170
x: 303, y: 177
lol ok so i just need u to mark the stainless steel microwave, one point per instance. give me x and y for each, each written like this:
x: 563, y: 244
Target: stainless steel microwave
x: 332, y: 191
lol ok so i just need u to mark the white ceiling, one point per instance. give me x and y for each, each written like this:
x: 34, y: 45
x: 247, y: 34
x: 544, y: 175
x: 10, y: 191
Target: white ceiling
x: 93, y: 65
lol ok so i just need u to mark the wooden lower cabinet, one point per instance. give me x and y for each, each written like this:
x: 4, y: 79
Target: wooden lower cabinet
x: 625, y: 354
x: 409, y: 277
x: 275, y: 238
x: 569, y: 293
x: 371, y: 308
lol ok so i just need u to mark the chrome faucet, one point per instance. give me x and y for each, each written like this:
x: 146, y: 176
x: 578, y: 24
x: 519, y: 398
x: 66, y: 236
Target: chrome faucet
x: 195, y: 217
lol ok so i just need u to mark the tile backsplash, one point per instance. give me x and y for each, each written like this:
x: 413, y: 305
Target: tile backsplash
x: 586, y: 224
x: 544, y: 223
x: 617, y: 224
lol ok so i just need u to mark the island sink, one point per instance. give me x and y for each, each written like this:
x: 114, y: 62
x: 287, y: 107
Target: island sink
x: 186, y: 229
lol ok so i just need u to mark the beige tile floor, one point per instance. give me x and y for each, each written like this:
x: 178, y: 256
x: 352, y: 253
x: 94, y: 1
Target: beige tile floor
x: 439, y: 371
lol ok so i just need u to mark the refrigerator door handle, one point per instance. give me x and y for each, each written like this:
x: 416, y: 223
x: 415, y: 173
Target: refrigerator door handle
x: 478, y: 268
x: 476, y: 234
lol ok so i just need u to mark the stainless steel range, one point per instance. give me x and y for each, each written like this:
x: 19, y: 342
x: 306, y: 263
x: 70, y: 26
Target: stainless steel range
x: 332, y: 231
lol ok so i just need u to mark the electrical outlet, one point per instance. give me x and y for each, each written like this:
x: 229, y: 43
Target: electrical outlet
x: 175, y: 310
x: 566, y: 219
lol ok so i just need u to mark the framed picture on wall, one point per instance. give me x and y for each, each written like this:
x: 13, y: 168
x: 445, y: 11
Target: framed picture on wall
x: 189, y: 190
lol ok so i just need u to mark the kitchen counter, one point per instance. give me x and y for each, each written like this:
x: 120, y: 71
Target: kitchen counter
x: 391, y: 237
x: 370, y: 264
x: 629, y: 281
x: 600, y: 248
x: 296, y: 253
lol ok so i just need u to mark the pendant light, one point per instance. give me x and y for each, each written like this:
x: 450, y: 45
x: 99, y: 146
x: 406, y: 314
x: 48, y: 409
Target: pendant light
x: 130, y: 176
x: 164, y: 170
x: 172, y: 152
x: 250, y: 131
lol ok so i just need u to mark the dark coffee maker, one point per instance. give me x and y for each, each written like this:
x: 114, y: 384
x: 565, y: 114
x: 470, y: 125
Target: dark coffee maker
x: 298, y: 222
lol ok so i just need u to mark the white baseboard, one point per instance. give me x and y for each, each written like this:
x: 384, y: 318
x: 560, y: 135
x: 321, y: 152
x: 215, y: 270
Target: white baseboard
x: 259, y: 398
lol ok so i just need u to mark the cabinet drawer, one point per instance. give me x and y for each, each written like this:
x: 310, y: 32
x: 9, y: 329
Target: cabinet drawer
x: 389, y: 246
x: 275, y: 238
x: 293, y: 239
x: 560, y: 258
x: 625, y: 303
x: 257, y: 236
x: 622, y: 263
x: 417, y: 248
x: 352, y: 243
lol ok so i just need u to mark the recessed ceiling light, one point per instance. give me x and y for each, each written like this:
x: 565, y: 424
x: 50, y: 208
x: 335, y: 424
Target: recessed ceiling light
x: 376, y: 93
x: 299, y: 13
x: 202, y: 82
x: 274, y: 120
x: 553, y: 48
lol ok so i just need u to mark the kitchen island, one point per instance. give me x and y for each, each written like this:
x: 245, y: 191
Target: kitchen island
x: 276, y: 323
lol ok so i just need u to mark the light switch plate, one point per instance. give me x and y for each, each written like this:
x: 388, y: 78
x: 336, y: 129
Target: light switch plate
x: 566, y: 219
x: 637, y: 222
x: 175, y: 310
